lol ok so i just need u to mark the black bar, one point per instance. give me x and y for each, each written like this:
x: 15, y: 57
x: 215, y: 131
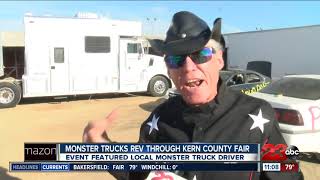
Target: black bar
x: 40, y: 152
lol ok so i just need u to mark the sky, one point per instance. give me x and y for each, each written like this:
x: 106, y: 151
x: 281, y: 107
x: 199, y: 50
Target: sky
x: 237, y: 16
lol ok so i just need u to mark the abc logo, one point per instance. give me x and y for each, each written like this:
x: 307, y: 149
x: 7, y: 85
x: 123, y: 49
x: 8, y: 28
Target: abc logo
x: 279, y: 152
x: 292, y: 152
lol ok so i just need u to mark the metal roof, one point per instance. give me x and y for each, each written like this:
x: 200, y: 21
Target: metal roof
x: 278, y: 29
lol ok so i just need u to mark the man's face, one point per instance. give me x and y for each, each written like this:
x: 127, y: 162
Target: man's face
x: 197, y: 83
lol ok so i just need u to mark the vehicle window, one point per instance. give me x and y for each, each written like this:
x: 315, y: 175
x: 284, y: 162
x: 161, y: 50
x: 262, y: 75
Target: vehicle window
x: 253, y: 78
x: 59, y: 55
x: 236, y: 80
x: 304, y: 88
x: 231, y: 82
x: 224, y: 75
x: 97, y: 44
x: 134, y: 48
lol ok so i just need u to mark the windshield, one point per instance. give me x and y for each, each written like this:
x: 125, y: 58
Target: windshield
x: 304, y: 88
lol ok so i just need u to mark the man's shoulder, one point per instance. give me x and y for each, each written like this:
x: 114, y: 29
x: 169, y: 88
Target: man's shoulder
x: 171, y: 104
x: 253, y: 114
x: 250, y: 100
x: 168, y: 108
x: 245, y: 104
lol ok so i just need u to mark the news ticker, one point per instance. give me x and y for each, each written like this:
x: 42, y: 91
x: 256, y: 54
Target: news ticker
x: 65, y: 157
x: 137, y: 167
x: 131, y: 167
x: 119, y: 152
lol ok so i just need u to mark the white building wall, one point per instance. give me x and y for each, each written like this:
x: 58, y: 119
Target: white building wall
x: 291, y: 50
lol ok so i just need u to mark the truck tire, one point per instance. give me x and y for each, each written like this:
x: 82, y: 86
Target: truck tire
x: 158, y: 86
x: 10, y: 94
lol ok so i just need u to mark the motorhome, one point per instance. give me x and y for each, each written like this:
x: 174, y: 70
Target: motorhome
x: 78, y: 55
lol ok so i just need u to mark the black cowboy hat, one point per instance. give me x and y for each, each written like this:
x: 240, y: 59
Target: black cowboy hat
x: 187, y: 34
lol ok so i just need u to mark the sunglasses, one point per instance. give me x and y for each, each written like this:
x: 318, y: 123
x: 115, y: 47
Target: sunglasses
x: 198, y: 57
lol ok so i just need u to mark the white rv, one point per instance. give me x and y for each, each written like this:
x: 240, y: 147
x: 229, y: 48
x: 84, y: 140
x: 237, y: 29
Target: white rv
x: 69, y: 56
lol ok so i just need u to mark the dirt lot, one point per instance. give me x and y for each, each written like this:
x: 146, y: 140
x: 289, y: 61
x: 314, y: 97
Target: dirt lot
x: 64, y: 122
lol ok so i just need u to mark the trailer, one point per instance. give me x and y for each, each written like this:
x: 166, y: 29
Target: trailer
x: 74, y: 56
x: 285, y: 51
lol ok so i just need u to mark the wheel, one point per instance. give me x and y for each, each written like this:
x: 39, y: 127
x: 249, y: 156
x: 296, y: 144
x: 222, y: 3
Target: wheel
x: 10, y: 94
x: 158, y: 86
x: 317, y: 157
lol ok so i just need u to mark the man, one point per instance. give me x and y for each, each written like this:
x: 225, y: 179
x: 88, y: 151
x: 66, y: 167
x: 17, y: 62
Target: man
x: 206, y: 111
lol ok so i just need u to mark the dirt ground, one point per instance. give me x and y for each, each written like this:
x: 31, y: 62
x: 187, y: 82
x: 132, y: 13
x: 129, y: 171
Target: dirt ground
x: 57, y: 121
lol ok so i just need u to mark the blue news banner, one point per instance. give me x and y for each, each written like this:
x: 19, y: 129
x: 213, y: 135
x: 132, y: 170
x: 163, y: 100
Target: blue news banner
x: 133, y: 167
x: 139, y: 157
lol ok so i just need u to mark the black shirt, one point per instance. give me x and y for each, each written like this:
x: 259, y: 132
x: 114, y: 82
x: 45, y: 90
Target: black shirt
x: 225, y: 119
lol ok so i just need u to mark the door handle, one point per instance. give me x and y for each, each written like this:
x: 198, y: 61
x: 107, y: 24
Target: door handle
x: 53, y: 67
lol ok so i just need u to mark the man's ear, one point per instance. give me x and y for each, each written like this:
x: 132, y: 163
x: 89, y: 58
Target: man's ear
x: 219, y: 58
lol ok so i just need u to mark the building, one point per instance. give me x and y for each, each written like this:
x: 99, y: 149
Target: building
x: 289, y: 50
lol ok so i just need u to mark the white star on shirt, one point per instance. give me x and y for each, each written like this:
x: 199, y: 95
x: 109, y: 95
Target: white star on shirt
x: 153, y: 123
x: 258, y: 121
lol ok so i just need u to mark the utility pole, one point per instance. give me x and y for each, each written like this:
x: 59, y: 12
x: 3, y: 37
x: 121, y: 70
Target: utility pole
x: 152, y: 23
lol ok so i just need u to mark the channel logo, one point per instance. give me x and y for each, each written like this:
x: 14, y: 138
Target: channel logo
x: 279, y: 152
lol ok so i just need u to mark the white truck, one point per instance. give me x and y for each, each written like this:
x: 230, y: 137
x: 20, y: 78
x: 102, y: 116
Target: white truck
x: 73, y: 56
